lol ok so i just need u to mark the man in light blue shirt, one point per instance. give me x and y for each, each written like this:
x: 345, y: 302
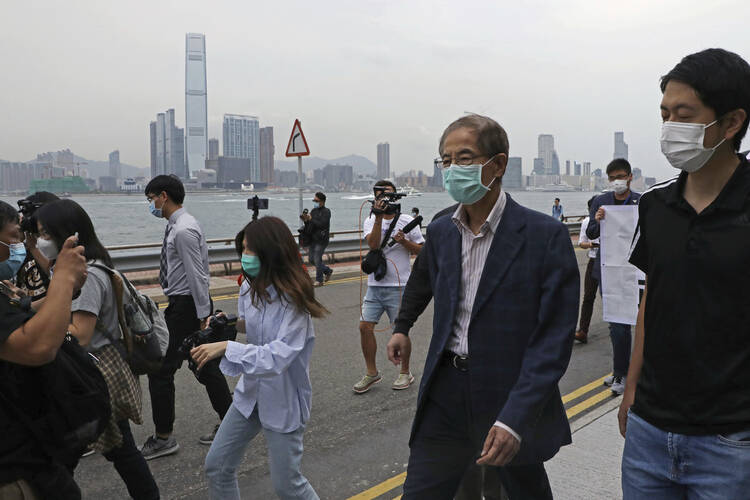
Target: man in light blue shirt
x: 184, y: 277
x: 557, y: 210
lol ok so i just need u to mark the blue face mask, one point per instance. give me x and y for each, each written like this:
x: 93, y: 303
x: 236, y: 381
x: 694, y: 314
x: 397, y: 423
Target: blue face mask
x: 464, y: 184
x: 251, y: 265
x: 156, y: 212
x: 316, y: 204
x: 9, y: 268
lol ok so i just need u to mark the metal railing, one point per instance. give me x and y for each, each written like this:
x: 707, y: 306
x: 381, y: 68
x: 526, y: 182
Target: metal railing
x: 147, y: 256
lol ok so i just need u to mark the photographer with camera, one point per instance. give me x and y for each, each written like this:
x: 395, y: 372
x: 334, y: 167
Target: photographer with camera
x: 95, y: 325
x: 29, y: 345
x: 384, y: 289
x: 275, y: 308
x: 184, y: 277
x: 317, y: 228
x: 33, y: 278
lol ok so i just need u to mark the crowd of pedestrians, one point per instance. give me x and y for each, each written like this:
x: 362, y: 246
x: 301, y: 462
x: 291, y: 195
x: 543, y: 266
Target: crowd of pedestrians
x: 505, y: 284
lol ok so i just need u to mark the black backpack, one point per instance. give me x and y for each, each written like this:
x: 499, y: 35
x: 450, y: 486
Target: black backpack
x: 76, y: 405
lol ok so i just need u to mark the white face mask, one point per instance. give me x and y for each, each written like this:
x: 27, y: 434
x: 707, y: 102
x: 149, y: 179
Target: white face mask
x: 48, y: 248
x: 682, y: 144
x: 619, y: 186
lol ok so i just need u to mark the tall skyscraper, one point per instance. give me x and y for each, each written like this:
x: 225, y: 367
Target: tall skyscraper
x: 513, y: 178
x: 384, y: 161
x: 167, y: 146
x: 587, y: 168
x: 213, y: 149
x: 546, y: 146
x: 196, y: 114
x: 538, y: 166
x: 576, y: 168
x: 114, y: 165
x: 267, y: 151
x: 621, y: 147
x: 152, y: 142
x: 242, y: 140
x: 567, y: 167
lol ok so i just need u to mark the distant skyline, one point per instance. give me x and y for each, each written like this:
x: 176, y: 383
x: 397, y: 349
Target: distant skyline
x: 356, y: 74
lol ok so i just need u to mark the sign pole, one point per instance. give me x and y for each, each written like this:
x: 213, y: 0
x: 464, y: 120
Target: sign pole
x: 299, y: 181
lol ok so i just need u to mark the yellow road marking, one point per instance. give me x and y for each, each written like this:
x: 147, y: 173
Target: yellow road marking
x: 606, y: 393
x: 588, y: 403
x: 381, y: 488
x: 583, y: 390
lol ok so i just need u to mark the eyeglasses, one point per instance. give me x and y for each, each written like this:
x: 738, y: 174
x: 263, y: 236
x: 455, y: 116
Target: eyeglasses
x: 617, y: 177
x: 463, y: 160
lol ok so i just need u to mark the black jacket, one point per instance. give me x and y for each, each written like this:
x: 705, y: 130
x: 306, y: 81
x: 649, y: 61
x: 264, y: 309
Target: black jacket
x: 418, y: 292
x: 319, y: 226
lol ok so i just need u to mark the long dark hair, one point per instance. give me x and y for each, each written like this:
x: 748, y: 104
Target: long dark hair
x: 61, y: 219
x: 280, y: 265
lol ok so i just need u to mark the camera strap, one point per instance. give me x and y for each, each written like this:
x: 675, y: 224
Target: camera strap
x: 389, y: 231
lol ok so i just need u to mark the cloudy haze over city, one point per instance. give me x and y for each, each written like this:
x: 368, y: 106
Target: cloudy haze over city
x: 90, y: 76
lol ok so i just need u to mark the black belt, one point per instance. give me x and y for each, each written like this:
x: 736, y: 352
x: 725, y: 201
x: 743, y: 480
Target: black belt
x: 457, y: 361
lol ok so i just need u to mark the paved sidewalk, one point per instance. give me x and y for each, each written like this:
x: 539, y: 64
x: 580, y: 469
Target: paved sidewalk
x: 589, y: 469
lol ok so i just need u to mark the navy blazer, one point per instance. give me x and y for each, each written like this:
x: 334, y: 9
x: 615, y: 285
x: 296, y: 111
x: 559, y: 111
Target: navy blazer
x: 521, y: 328
x: 593, y: 230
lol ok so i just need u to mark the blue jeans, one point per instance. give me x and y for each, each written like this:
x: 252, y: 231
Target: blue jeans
x: 316, y: 257
x: 379, y: 299
x: 661, y: 465
x: 621, y: 341
x: 228, y: 448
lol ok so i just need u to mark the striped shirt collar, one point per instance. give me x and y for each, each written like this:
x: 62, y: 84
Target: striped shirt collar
x: 493, y: 219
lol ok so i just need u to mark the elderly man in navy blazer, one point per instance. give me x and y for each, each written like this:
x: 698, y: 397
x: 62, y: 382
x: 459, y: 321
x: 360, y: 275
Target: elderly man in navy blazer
x: 505, y: 282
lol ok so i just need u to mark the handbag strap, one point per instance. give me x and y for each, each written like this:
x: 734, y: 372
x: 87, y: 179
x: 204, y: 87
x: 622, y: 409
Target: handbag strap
x: 389, y: 231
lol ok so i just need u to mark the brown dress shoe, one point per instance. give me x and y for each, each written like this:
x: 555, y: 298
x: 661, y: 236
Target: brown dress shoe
x: 582, y: 337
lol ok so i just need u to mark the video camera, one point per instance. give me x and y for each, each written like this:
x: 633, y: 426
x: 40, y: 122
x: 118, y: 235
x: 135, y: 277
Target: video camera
x: 219, y: 329
x: 27, y: 208
x: 391, y: 207
x: 257, y: 204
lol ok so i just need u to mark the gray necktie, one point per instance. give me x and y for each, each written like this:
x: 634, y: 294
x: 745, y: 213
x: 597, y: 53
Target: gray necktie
x: 163, y: 263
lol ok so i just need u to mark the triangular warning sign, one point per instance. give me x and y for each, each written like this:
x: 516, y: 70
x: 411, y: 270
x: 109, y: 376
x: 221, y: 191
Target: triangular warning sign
x: 297, y: 143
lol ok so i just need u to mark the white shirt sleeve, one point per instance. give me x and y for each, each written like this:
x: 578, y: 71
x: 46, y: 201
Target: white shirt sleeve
x: 512, y: 432
x: 582, y: 238
x: 367, y: 226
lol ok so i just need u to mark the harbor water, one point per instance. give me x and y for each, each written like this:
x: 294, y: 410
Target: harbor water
x: 125, y: 219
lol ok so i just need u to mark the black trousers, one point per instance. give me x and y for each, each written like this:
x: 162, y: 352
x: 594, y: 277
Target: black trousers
x: 181, y: 321
x: 589, y: 296
x: 132, y: 467
x: 447, y: 443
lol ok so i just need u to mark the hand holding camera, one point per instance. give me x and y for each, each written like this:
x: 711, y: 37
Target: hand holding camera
x: 70, y: 264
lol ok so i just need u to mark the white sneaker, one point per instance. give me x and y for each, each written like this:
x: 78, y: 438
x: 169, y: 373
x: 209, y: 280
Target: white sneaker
x: 403, y: 381
x: 608, y: 380
x: 618, y: 386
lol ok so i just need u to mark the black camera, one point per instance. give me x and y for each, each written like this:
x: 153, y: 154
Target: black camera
x: 219, y: 329
x: 390, y: 198
x: 257, y: 204
x: 27, y: 208
x: 304, y: 212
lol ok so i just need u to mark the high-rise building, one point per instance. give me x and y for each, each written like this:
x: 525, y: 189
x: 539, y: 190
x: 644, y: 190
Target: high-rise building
x: 538, y: 166
x: 152, y: 135
x: 567, y: 167
x: 437, y: 174
x: 587, y: 168
x: 621, y: 147
x: 213, y: 149
x: 637, y: 173
x: 242, y: 140
x: 114, y: 165
x: 384, y: 160
x: 233, y: 171
x: 513, y: 178
x: 546, y: 146
x: 267, y: 151
x: 576, y: 168
x: 196, y: 108
x: 167, y: 146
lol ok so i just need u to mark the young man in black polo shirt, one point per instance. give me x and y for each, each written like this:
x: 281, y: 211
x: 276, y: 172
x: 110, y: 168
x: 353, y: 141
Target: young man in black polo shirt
x: 688, y: 430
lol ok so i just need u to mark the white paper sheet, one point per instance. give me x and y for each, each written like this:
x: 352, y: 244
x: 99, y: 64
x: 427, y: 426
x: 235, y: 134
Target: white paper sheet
x: 620, y: 289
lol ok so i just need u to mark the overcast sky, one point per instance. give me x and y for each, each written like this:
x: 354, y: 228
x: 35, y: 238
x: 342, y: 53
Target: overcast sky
x: 90, y: 75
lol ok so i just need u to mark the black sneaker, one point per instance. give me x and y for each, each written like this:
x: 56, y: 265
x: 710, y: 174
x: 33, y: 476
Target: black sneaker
x: 327, y: 276
x: 209, y: 438
x: 155, y: 447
